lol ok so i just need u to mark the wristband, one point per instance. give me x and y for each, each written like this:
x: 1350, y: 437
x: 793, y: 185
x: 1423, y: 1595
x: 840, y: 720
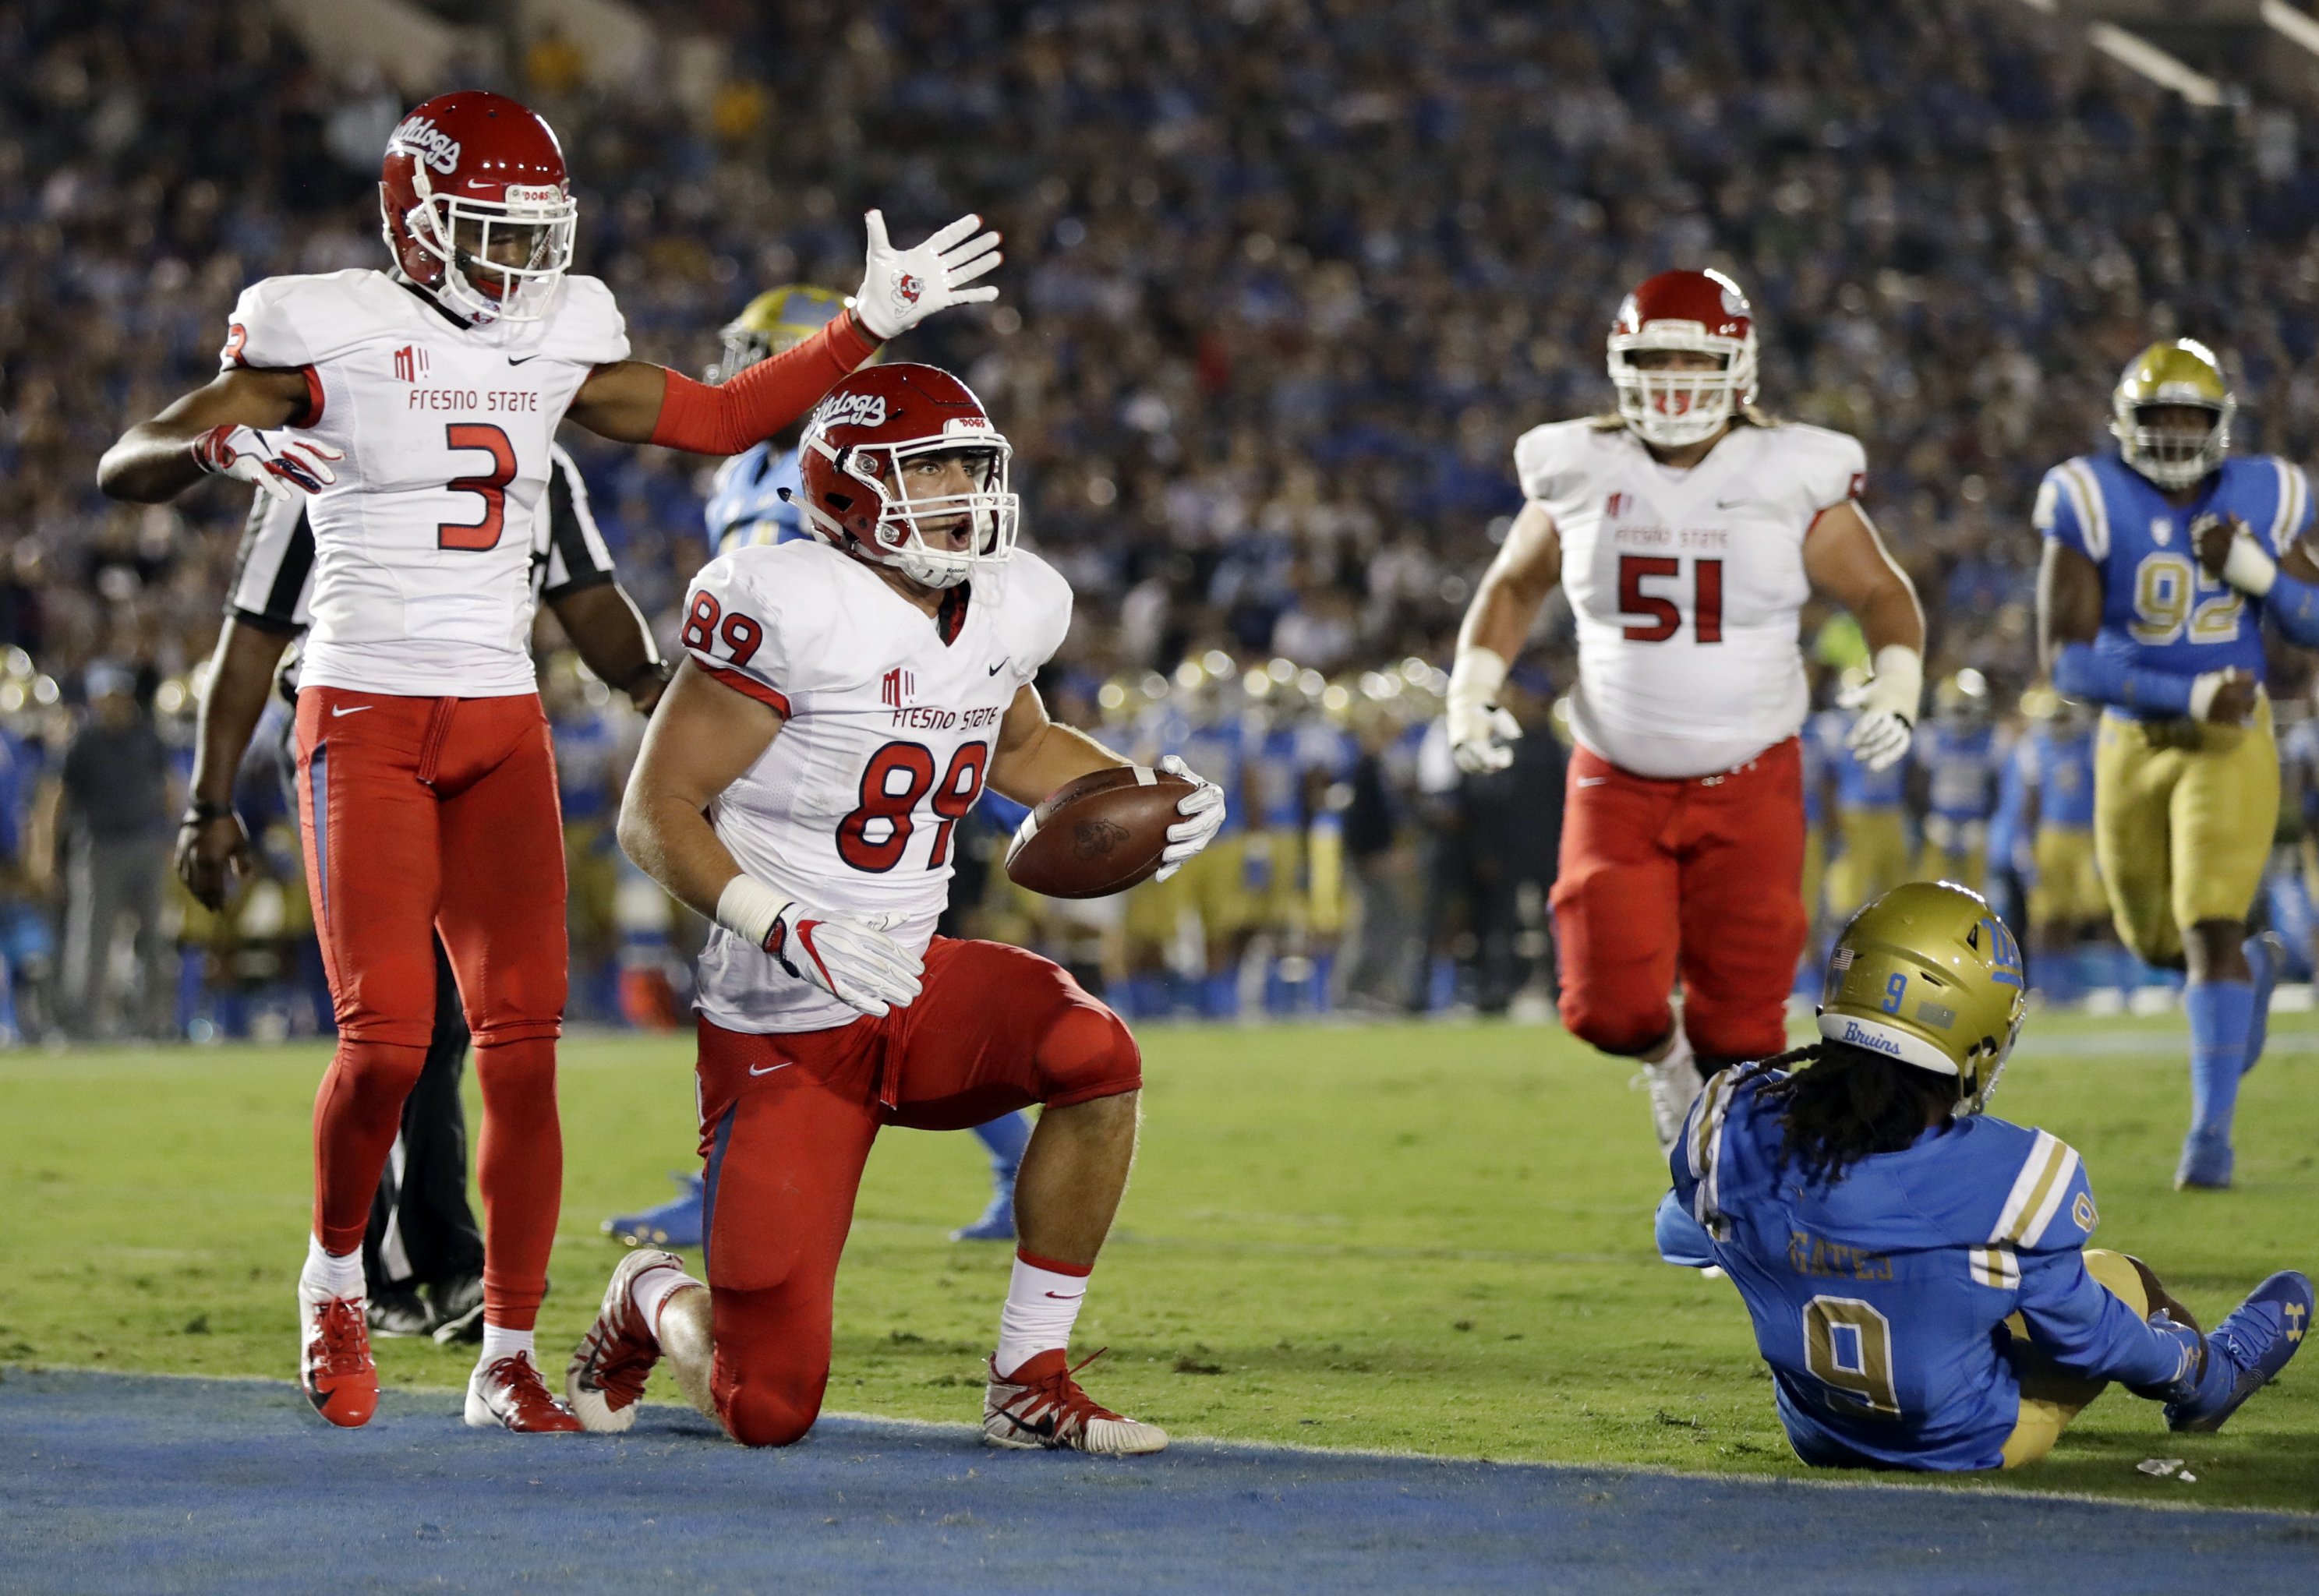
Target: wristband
x: 2248, y: 568
x: 2293, y: 604
x: 1475, y: 677
x: 201, y: 812
x: 1898, y: 686
x: 747, y: 907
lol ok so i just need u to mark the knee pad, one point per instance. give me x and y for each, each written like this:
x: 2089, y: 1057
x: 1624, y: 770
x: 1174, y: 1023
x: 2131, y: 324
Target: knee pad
x: 765, y: 1406
x: 1088, y: 1052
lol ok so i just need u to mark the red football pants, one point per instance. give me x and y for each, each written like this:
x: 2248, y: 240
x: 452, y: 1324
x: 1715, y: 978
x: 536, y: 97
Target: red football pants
x: 1702, y: 879
x: 785, y: 1124
x: 423, y: 816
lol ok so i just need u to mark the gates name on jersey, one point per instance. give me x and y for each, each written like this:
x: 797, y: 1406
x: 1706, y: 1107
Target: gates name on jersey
x: 888, y: 731
x: 423, y: 545
x: 1686, y: 585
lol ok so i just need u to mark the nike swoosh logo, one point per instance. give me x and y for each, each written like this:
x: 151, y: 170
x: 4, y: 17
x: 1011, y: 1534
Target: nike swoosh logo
x: 1001, y: 665
x: 356, y: 709
x: 1732, y: 503
x: 1592, y: 780
x: 769, y: 1069
x: 1067, y: 1297
x: 513, y: 361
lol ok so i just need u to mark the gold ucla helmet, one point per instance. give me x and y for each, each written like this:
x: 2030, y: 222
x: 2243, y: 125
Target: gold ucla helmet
x: 1963, y: 696
x: 2179, y: 371
x: 778, y: 318
x: 1928, y: 974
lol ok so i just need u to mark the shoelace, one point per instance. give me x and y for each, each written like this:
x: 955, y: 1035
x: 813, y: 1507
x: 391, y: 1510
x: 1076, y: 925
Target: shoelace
x: 526, y: 1390
x: 618, y: 1363
x: 1061, y: 1390
x: 344, y: 1336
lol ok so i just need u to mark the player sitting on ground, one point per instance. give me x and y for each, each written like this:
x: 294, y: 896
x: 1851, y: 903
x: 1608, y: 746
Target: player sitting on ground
x: 1917, y: 1270
x: 841, y: 705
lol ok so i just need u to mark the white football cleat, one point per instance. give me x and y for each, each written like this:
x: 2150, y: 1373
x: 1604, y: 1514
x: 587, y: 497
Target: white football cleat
x: 1674, y: 1085
x: 1040, y: 1405
x: 605, y: 1382
x: 507, y: 1393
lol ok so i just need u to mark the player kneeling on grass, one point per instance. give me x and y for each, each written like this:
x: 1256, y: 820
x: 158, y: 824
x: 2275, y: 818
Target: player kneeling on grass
x: 841, y: 704
x: 1915, y: 1269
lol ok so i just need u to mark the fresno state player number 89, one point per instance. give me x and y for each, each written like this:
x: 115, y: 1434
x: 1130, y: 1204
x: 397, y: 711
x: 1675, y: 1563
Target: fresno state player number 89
x: 739, y: 634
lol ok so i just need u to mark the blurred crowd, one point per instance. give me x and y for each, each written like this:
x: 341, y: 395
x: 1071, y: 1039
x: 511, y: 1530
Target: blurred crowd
x: 1285, y: 280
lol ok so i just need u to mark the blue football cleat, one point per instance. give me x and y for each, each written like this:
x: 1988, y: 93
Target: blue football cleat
x: 997, y: 1220
x: 2205, y: 1164
x: 2246, y: 1351
x: 2266, y: 956
x: 674, y: 1223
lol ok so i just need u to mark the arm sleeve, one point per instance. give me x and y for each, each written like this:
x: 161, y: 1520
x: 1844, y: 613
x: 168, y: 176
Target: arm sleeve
x: 2081, y: 1326
x: 263, y: 331
x: 729, y: 417
x: 577, y: 555
x: 1836, y: 473
x: 735, y: 633
x: 2083, y: 671
x: 1546, y: 465
x: 1681, y: 1240
x: 2058, y: 512
x: 274, y: 570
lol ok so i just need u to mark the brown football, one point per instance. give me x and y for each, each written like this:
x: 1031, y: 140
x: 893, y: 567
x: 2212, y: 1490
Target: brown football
x: 1097, y: 835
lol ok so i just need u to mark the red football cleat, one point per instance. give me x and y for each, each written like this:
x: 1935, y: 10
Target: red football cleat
x: 507, y: 1393
x: 334, y: 1364
x: 1040, y: 1405
x: 606, y: 1379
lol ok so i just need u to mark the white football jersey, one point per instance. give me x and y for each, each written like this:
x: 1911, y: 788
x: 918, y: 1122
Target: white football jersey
x: 853, y: 809
x: 1687, y: 585
x: 423, y: 546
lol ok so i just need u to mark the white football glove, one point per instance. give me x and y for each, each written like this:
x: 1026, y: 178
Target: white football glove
x: 1203, y: 810
x: 902, y: 287
x: 1481, y: 735
x: 857, y: 964
x: 276, y: 461
x: 1887, y: 706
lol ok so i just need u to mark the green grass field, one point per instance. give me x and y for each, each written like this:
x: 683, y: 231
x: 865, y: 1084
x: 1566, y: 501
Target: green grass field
x: 1434, y: 1238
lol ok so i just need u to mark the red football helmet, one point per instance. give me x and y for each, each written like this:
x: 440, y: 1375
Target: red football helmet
x: 856, y: 455
x: 476, y: 206
x: 1702, y: 312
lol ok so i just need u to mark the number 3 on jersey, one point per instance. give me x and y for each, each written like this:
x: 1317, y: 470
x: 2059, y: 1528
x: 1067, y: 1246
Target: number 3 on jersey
x: 1665, y: 617
x: 486, y: 438
x: 873, y: 836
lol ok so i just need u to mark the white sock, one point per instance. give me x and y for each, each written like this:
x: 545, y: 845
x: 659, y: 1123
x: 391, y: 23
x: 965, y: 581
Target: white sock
x: 500, y: 1343
x: 651, y: 1290
x: 1041, y: 1307
x: 329, y: 1273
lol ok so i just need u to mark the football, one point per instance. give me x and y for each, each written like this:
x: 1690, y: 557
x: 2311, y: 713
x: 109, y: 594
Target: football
x: 1097, y: 835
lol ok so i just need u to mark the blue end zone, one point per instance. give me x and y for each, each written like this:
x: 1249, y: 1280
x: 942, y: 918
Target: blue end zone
x: 118, y: 1484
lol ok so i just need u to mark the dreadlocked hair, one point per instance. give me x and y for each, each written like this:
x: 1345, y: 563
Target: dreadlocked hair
x: 1840, y: 1102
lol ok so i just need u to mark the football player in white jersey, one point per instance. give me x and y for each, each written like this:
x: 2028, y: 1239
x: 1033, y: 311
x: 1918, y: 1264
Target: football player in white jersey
x: 416, y: 406
x: 841, y: 704
x: 1689, y: 529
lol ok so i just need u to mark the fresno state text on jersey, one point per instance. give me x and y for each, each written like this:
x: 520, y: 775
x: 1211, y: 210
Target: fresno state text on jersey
x: 422, y: 548
x: 888, y: 736
x: 1686, y: 585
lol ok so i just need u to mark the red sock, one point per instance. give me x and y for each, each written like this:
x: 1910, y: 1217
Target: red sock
x: 357, y: 1113
x: 520, y: 1162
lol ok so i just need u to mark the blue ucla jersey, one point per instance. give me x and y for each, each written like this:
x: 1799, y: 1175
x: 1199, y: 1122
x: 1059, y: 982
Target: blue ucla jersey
x: 1283, y: 755
x: 2061, y: 767
x: 1958, y: 761
x: 1856, y: 785
x: 2159, y: 610
x: 1876, y: 1300
x: 746, y: 506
